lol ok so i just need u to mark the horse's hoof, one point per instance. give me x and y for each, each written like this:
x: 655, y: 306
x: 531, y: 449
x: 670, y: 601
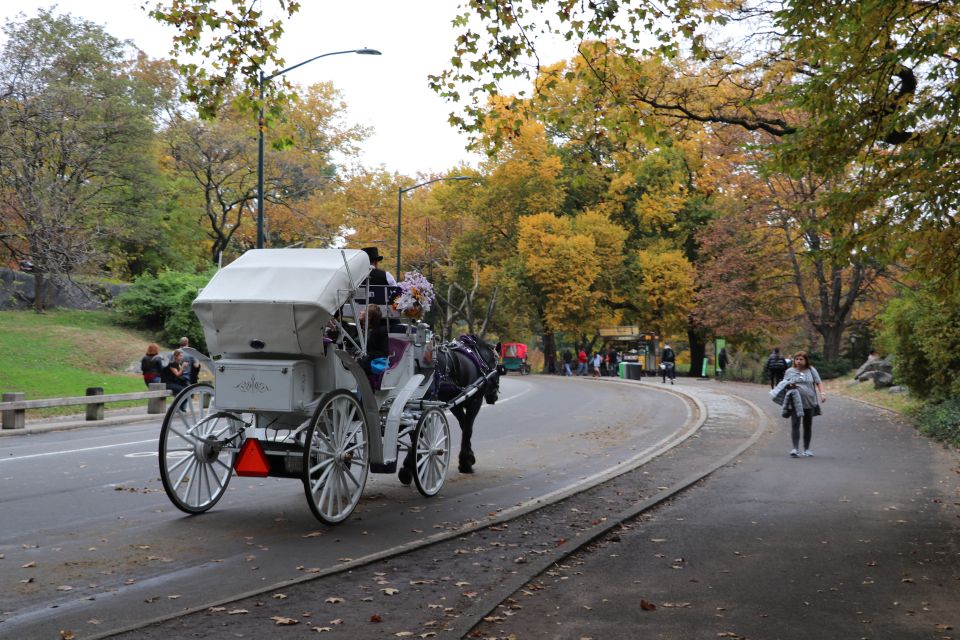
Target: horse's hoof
x: 405, y: 475
x: 464, y: 468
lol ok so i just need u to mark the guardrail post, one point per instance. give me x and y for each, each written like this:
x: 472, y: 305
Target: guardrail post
x: 94, y: 409
x: 157, y: 405
x: 14, y: 418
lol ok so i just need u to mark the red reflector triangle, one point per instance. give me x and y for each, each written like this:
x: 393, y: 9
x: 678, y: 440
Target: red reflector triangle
x: 252, y: 461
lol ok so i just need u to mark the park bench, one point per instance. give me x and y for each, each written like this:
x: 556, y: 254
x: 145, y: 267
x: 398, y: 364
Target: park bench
x: 14, y: 406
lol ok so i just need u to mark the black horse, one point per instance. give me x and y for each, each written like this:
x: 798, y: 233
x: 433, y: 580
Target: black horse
x: 455, y: 369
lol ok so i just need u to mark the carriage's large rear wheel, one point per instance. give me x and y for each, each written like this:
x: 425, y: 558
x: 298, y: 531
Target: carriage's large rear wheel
x: 431, y: 451
x: 196, y: 451
x: 336, y: 457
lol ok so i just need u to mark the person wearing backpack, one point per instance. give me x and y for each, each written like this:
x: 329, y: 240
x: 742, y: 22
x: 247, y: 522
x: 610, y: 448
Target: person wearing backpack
x: 668, y: 364
x: 776, y: 366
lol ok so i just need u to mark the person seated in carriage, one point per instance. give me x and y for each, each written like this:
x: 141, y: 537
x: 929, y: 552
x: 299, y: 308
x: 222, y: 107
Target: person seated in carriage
x: 378, y: 340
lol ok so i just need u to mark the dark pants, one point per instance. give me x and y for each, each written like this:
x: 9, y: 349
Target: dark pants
x: 776, y: 377
x: 807, y: 429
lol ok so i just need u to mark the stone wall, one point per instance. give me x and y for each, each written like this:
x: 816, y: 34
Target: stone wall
x: 17, y: 292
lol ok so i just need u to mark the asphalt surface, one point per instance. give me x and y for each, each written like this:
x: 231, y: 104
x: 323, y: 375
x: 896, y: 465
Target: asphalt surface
x: 860, y: 541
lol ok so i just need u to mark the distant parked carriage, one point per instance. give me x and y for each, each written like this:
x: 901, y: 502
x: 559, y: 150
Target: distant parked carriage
x: 513, y: 357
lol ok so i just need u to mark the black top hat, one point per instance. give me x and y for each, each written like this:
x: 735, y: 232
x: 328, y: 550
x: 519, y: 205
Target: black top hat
x: 373, y: 253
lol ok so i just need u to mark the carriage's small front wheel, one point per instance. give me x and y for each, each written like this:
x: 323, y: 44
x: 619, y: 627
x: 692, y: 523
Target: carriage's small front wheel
x: 196, y: 450
x: 431, y: 451
x: 336, y: 459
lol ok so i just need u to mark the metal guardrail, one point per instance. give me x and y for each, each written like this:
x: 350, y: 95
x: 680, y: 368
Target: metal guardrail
x: 14, y: 406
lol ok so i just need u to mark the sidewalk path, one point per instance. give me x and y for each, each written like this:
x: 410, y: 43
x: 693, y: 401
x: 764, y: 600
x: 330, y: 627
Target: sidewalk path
x: 861, y: 541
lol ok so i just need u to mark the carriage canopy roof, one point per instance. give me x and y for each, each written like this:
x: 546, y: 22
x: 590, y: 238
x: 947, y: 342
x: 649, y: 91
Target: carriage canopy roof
x: 317, y: 277
x: 278, y: 298
x: 513, y: 350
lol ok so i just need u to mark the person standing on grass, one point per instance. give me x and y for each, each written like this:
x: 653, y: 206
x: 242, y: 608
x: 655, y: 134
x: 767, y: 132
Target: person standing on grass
x: 805, y: 379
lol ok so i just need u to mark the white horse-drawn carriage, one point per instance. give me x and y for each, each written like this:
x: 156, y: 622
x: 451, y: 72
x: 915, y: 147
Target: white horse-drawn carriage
x: 290, y: 399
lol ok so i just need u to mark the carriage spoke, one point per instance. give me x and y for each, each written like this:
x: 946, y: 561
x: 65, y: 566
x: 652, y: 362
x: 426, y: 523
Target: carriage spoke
x: 323, y: 464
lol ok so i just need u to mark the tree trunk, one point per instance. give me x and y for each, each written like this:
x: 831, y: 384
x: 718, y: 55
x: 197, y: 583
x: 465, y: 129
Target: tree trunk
x: 549, y: 352
x: 698, y: 350
x: 832, y: 340
x: 40, y: 285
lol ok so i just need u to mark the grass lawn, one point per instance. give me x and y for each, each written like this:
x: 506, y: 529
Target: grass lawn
x: 61, y: 353
x: 846, y: 386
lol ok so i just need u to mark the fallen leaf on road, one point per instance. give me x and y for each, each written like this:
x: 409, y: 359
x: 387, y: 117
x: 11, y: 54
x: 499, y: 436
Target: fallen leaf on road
x: 280, y: 596
x: 675, y: 605
x: 66, y: 635
x: 337, y: 621
x: 282, y: 620
x: 647, y: 606
x: 235, y: 612
x: 94, y: 621
x: 29, y: 565
x: 658, y: 539
x: 216, y: 609
x: 390, y: 591
x: 942, y: 627
x: 333, y: 600
x: 376, y: 618
x: 322, y: 629
x: 404, y: 634
x: 64, y: 587
x: 470, y: 594
x: 314, y: 534
x: 462, y: 583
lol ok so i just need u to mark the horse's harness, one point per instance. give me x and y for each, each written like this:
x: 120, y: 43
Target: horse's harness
x: 445, y: 377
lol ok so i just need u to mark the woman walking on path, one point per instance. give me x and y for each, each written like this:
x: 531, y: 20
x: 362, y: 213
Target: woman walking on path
x: 805, y: 379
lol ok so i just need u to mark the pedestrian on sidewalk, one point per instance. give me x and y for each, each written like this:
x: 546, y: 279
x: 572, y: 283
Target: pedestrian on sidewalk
x: 668, y: 364
x: 567, y: 359
x: 775, y: 366
x: 805, y: 379
x: 581, y: 362
x: 597, y: 360
x: 722, y: 361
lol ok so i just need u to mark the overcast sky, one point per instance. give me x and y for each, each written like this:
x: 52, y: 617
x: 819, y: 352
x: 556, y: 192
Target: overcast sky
x: 388, y: 92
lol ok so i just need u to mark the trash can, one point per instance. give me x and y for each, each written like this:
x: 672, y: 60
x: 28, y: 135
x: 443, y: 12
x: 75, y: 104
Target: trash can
x: 633, y: 371
x: 622, y: 370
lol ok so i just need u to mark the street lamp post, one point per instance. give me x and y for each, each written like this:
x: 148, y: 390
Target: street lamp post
x: 261, y: 125
x: 400, y: 193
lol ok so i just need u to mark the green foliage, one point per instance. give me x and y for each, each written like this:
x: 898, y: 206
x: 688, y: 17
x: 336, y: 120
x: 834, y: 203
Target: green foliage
x: 940, y: 420
x: 829, y: 369
x: 921, y: 330
x: 161, y: 303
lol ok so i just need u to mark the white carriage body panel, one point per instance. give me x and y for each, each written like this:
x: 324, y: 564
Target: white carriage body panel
x: 278, y: 299
x: 264, y: 385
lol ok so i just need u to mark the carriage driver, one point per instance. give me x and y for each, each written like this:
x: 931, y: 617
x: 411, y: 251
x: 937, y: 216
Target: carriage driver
x: 377, y: 275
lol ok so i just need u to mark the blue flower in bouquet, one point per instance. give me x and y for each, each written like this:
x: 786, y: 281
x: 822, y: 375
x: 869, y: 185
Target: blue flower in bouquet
x: 416, y: 294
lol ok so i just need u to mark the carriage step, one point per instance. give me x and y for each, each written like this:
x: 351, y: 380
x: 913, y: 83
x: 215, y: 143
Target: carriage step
x: 388, y: 467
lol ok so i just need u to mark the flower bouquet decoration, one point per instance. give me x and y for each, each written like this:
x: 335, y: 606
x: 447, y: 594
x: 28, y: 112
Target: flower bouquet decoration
x: 416, y: 295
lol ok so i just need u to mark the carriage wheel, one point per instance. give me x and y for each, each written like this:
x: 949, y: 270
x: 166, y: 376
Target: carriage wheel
x: 431, y: 449
x: 195, y: 462
x: 336, y: 460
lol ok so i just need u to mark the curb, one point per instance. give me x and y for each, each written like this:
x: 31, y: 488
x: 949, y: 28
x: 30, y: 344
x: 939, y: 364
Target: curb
x: 70, y: 425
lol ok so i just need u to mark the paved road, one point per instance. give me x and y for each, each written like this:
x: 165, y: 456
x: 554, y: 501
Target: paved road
x: 88, y: 534
x: 861, y: 541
